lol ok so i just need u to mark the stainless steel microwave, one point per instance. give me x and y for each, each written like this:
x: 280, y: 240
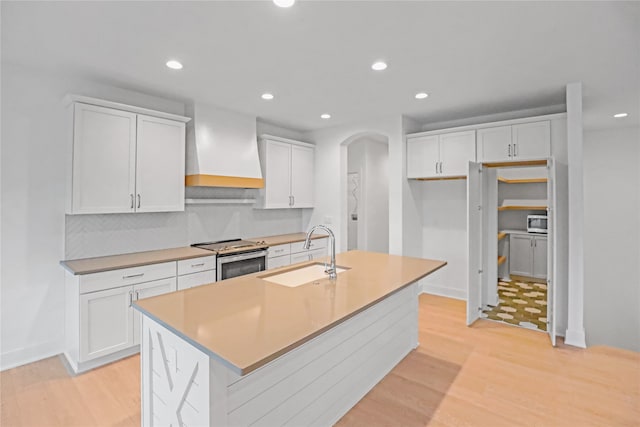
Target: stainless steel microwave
x: 537, y: 224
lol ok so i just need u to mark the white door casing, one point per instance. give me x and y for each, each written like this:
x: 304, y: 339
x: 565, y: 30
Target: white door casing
x: 552, y: 267
x: 474, y: 241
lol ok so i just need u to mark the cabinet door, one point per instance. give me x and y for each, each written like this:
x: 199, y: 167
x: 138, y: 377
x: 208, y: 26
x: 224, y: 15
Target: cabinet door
x: 160, y: 165
x: 456, y: 151
x: 103, y: 178
x: 302, y: 176
x: 540, y: 257
x: 105, y: 322
x: 147, y: 290
x: 494, y: 144
x: 423, y: 155
x: 520, y: 257
x: 532, y: 141
x: 278, y: 175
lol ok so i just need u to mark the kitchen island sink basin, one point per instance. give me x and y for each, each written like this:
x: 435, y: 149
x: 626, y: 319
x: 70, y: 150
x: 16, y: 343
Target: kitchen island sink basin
x: 300, y: 276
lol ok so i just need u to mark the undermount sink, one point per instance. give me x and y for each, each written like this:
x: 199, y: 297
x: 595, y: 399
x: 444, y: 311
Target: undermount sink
x: 300, y: 276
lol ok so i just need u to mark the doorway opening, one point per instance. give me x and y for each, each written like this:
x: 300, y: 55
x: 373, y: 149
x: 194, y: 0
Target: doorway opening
x: 511, y: 244
x: 366, y: 198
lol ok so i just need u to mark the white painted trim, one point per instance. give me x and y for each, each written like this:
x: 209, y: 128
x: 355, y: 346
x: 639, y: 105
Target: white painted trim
x: 286, y: 140
x: 25, y: 355
x: 68, y: 99
x: 575, y: 338
x: 488, y: 125
x: 575, y: 296
x: 443, y: 291
x: 81, y: 367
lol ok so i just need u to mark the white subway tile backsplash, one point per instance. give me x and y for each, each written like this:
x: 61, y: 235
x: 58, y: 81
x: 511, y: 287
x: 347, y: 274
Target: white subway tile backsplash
x: 111, y: 234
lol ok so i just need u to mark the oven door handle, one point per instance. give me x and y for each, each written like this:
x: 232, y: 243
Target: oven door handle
x: 241, y: 257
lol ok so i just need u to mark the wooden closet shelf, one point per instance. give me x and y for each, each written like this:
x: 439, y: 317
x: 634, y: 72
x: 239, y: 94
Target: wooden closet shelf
x: 522, y: 181
x: 501, y: 235
x: 522, y: 208
x: 502, y: 259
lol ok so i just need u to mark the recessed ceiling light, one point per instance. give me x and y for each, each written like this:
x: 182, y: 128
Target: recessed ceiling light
x: 421, y: 95
x: 267, y: 96
x: 620, y: 115
x: 325, y: 116
x: 284, y: 3
x: 379, y: 66
x: 174, y: 65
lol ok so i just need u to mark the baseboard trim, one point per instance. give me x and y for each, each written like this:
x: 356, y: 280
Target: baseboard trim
x: 22, y: 356
x: 75, y: 368
x: 443, y: 291
x: 575, y: 338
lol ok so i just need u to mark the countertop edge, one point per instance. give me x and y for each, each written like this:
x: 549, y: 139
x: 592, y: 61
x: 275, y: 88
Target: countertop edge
x: 262, y: 362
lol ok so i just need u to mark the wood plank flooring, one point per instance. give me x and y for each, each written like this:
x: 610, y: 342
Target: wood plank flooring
x: 488, y: 375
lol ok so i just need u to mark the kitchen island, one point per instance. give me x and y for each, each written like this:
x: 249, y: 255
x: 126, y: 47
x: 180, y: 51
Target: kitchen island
x: 247, y: 351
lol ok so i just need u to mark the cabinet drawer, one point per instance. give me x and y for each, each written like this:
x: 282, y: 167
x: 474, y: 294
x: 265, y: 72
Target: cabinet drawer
x: 315, y: 244
x: 126, y: 276
x: 195, y: 265
x: 279, y: 250
x: 196, y: 279
x: 278, y: 261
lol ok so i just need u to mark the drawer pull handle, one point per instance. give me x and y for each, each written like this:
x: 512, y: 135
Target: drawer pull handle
x: 197, y: 265
x: 133, y: 276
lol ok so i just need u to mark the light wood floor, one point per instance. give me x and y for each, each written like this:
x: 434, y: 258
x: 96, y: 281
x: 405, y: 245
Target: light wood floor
x: 489, y: 375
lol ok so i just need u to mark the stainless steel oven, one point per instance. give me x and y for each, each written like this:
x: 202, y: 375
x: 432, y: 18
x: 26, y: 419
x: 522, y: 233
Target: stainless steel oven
x: 239, y: 264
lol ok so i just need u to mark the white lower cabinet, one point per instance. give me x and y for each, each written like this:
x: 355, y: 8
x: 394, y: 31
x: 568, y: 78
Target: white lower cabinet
x: 278, y: 261
x: 196, y: 272
x: 528, y: 255
x: 105, y: 322
x: 100, y: 323
x: 293, y: 253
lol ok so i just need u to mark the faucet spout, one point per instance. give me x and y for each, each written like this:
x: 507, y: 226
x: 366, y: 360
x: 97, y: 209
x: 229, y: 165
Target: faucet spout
x: 331, y: 269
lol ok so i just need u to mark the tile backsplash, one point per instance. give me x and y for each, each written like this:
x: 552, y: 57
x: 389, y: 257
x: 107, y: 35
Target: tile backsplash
x: 111, y: 234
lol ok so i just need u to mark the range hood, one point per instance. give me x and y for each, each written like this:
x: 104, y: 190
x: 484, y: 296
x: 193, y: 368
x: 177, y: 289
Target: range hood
x: 222, y: 149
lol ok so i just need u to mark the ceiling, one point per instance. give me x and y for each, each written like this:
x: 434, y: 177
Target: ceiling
x: 473, y: 58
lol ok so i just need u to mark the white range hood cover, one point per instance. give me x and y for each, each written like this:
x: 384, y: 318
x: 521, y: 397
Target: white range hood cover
x: 222, y: 149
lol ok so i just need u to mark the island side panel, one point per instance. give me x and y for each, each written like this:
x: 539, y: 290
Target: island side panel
x: 313, y: 384
x: 318, y: 382
x: 181, y: 385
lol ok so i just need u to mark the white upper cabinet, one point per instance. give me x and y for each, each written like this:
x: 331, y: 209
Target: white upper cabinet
x: 423, y: 155
x: 103, y: 160
x: 440, y: 156
x: 124, y: 161
x: 514, y: 143
x: 456, y: 151
x: 532, y: 141
x: 288, y: 170
x: 494, y: 144
x: 159, y: 165
x: 302, y: 176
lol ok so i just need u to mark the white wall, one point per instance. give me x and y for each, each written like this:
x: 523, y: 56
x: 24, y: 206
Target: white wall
x: 33, y: 200
x: 331, y: 179
x: 34, y: 139
x: 444, y: 235
x: 370, y: 158
x: 612, y: 237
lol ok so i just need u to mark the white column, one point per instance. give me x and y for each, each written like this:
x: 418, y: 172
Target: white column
x: 575, y: 334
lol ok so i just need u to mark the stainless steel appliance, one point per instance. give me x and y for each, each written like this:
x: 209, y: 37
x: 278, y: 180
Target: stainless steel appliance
x: 237, y: 257
x: 537, y: 224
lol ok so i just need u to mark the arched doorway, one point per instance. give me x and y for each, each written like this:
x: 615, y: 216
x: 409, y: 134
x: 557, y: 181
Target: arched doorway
x: 365, y: 192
